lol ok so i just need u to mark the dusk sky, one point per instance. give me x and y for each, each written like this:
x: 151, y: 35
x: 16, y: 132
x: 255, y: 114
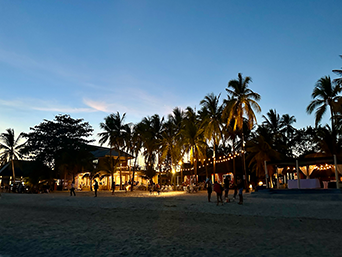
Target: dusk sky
x: 91, y: 58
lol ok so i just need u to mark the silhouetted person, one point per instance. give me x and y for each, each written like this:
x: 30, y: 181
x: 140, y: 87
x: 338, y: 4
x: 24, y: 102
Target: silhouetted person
x: 96, y: 186
x: 20, y: 188
x: 209, y: 188
x: 72, y: 189
x: 218, y: 189
x: 158, y: 188
x: 113, y: 187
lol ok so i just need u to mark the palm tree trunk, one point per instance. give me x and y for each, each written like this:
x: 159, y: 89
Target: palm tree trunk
x: 214, y: 161
x: 206, y: 166
x: 234, y: 167
x: 244, y: 163
x: 333, y: 130
x: 135, y: 162
x: 196, y: 162
x: 13, y: 171
x: 119, y: 155
x: 112, y: 170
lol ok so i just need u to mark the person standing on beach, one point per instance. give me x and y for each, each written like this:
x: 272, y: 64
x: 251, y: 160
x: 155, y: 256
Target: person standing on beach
x: 113, y: 187
x: 209, y: 188
x: 218, y: 189
x: 96, y: 186
x: 226, y: 188
x: 239, y: 182
x: 72, y: 188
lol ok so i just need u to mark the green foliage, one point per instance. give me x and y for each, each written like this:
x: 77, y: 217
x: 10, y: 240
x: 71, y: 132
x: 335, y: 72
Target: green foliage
x: 61, y: 143
x: 325, y: 94
x: 149, y: 173
x: 10, y: 147
x: 241, y: 102
x: 115, y: 131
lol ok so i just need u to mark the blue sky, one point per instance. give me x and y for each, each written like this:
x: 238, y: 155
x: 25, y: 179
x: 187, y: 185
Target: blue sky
x: 92, y: 58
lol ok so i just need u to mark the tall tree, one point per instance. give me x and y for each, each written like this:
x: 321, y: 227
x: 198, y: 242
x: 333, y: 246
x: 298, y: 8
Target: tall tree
x: 286, y: 122
x: 135, y: 147
x: 327, y: 142
x: 273, y: 124
x: 339, y: 73
x: 115, y: 135
x: 150, y: 129
x: 240, y: 103
x: 211, y: 114
x: 172, y: 147
x: 260, y: 149
x: 61, y: 144
x: 325, y: 94
x: 11, y: 148
x: 288, y: 133
x: 193, y: 137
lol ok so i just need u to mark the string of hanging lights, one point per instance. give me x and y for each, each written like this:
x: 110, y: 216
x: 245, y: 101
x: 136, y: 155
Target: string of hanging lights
x: 317, y: 167
x: 324, y: 167
x: 220, y: 159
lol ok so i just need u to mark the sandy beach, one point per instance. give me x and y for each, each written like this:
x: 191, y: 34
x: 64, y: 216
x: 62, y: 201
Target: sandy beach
x: 172, y: 224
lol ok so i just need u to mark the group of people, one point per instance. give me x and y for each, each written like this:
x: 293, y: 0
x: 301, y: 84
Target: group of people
x: 154, y: 187
x: 218, y: 188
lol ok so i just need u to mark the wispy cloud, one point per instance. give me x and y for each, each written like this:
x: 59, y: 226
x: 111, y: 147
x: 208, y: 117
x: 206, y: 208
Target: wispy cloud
x: 45, y: 106
x: 136, y: 103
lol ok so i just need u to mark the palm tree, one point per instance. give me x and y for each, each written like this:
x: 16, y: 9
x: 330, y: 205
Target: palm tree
x: 134, y: 147
x: 327, y: 142
x: 193, y: 138
x: 260, y: 149
x: 10, y: 148
x: 172, y: 147
x: 288, y: 132
x: 273, y: 122
x: 286, y: 122
x: 211, y: 114
x: 150, y: 129
x: 115, y: 133
x: 274, y: 125
x: 241, y: 103
x: 107, y: 165
x: 325, y: 94
x: 338, y: 72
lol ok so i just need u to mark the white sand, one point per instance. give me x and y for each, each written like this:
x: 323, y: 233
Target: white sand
x: 173, y: 224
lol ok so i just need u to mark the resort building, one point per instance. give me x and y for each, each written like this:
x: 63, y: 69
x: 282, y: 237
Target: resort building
x: 104, y: 158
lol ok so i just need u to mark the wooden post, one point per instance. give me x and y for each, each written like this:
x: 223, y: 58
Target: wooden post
x: 298, y: 176
x: 266, y: 174
x: 336, y: 173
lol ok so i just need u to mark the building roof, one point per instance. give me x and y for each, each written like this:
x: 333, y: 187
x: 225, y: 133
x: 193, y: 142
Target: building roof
x: 105, y: 151
x: 21, y: 168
